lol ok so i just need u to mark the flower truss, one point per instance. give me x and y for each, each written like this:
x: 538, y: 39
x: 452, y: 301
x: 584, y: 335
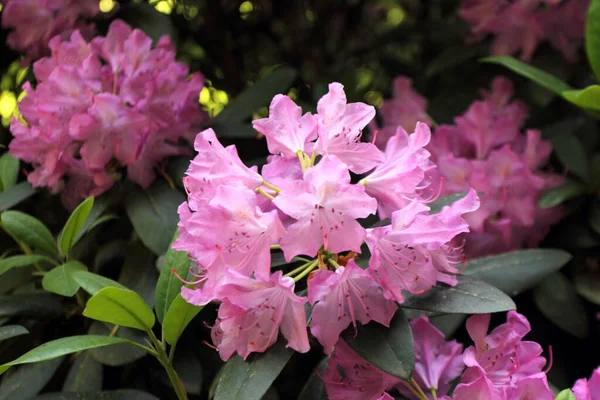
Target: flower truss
x: 305, y: 204
x: 99, y: 106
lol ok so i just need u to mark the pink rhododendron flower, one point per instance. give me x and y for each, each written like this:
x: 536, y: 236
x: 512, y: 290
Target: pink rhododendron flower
x: 342, y: 297
x: 35, y: 22
x: 252, y: 313
x: 325, y: 206
x: 361, y: 380
x: 437, y: 362
x: 520, y: 26
x: 404, y: 109
x: 413, y: 253
x: 100, y: 106
x: 588, y: 389
x: 501, y: 364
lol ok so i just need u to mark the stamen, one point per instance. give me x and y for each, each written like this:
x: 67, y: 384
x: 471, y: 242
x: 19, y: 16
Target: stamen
x: 375, y: 132
x: 210, y: 345
x: 551, y: 360
x: 174, y: 271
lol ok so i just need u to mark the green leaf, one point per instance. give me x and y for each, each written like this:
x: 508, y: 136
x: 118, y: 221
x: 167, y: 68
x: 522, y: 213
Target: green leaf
x: 250, y: 380
x: 314, y: 388
x: 585, y: 98
x: 566, y: 394
x: 75, y: 224
x: 179, y: 315
x: 153, y: 213
x: 138, y: 272
x: 557, y: 299
x: 517, y: 271
x: 558, y: 195
x: 28, y: 380
x: 119, y: 354
x: 436, y: 206
x: 257, y: 96
x: 587, y: 282
x: 592, y: 37
x: 571, y: 153
x: 100, y: 221
x: 120, y: 307
x: 93, y: 283
x: 29, y: 230
x: 234, y: 129
x: 469, y: 296
x: 15, y: 195
x: 35, y: 305
x: 60, y: 279
x: 9, y: 331
x: 121, y: 394
x: 84, y: 375
x: 169, y: 286
x: 19, y: 262
x: 452, y: 57
x: 62, y: 346
x: 389, y: 349
x: 9, y: 171
x: 535, y: 74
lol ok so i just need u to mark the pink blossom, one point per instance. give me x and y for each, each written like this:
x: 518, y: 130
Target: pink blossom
x: 361, y: 380
x: 438, y: 362
x: 325, y: 206
x: 252, y: 313
x: 35, y: 22
x: 340, y: 127
x: 588, y: 389
x: 413, y: 253
x: 343, y: 297
x: 405, y: 109
x: 287, y: 130
x: 398, y: 180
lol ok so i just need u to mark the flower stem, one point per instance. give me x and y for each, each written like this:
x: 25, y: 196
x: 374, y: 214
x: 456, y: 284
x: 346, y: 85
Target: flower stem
x: 413, y: 391
x: 267, y: 195
x: 433, y: 393
x: 310, y: 267
x: 166, y: 361
x: 273, y: 187
x: 418, y: 388
x: 333, y: 262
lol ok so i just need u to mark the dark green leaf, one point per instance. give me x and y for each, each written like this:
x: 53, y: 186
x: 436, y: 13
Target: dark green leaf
x: 85, y: 374
x: 436, y: 206
x: 121, y: 394
x: 101, y: 204
x: 61, y: 347
x: 314, y: 389
x: 36, y: 305
x: 15, y: 195
x: 9, y: 171
x: 469, y: 296
x: 177, y: 318
x: 93, y: 283
x: 452, y: 57
x: 234, y: 130
x: 15, y: 278
x: 28, y: 380
x: 566, y: 394
x: 75, y: 225
x: 147, y: 18
x: 169, y: 286
x: 29, y: 230
x: 119, y: 354
x: 571, y: 153
x: 153, y: 213
x: 517, y: 271
x: 60, y: 279
x: 389, y: 349
x: 592, y: 37
x: 176, y: 169
x: 250, y: 380
x: 190, y: 372
x: 567, y: 126
x: 9, y: 331
x: 587, y: 282
x: 555, y: 196
x: 448, y: 323
x: 256, y: 96
x: 138, y: 272
x: 120, y: 307
x: 557, y: 299
x: 585, y: 98
x: 19, y: 261
x: 100, y: 221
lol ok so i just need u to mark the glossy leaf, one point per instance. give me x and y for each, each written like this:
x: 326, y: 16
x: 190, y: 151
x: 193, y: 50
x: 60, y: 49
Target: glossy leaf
x: 93, y: 283
x: 61, y: 347
x: 75, y: 225
x: 121, y: 394
x: 250, y: 379
x: 572, y: 154
x: 179, y: 315
x: 587, y: 282
x: 9, y: 331
x: 558, y: 195
x: 138, y: 272
x: 15, y: 195
x: 119, y: 354
x: 60, y: 280
x: 34, y: 305
x: 517, y: 271
x: 121, y: 307
x: 85, y: 374
x: 29, y: 230
x: 566, y: 394
x: 19, y: 261
x: 153, y: 213
x: 389, y: 349
x: 592, y: 37
x: 28, y: 380
x: 469, y: 296
x: 9, y: 171
x: 256, y: 96
x: 557, y: 299
x: 169, y: 286
x: 585, y: 98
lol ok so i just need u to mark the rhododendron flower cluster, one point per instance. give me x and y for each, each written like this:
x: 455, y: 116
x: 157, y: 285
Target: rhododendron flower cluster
x: 35, y: 22
x: 114, y: 102
x: 500, y: 366
x: 485, y: 150
x: 304, y: 203
x: 520, y: 26
x: 588, y: 389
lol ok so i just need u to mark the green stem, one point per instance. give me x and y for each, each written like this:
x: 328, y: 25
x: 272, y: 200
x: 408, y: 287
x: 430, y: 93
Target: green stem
x: 413, y: 391
x: 166, y: 361
x: 418, y: 388
x: 433, y: 393
x: 310, y: 267
x: 333, y: 262
x: 299, y: 269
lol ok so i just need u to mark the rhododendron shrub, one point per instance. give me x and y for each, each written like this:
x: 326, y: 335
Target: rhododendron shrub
x: 99, y: 106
